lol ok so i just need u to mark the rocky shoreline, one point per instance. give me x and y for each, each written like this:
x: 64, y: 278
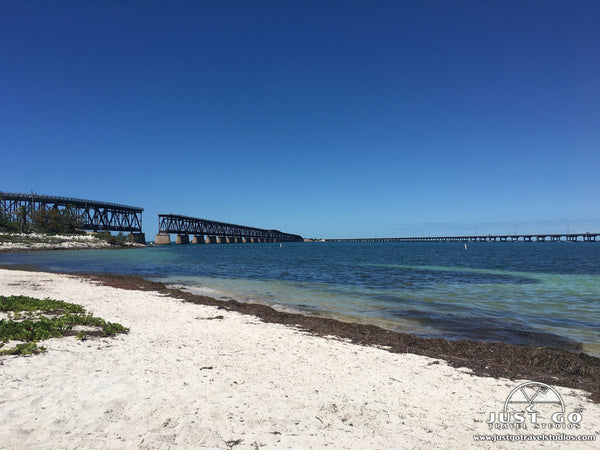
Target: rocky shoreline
x: 24, y: 242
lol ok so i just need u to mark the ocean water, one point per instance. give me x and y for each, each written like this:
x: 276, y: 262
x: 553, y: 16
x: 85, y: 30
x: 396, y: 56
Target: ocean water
x: 545, y: 294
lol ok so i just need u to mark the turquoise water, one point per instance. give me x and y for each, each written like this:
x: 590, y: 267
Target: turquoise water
x: 545, y: 294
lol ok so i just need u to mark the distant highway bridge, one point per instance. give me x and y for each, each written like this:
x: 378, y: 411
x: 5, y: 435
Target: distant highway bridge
x: 211, y: 232
x: 91, y: 215
x: 570, y: 237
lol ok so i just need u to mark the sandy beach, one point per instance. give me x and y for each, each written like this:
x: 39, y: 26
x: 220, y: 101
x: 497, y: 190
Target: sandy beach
x: 199, y: 376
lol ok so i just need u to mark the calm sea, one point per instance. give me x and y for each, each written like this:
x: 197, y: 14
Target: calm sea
x: 546, y: 294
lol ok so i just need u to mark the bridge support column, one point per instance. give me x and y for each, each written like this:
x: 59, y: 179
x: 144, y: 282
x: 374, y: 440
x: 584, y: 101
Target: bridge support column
x: 228, y: 240
x: 245, y: 240
x: 182, y: 239
x: 220, y: 240
x: 211, y: 239
x: 198, y: 239
x: 138, y: 238
x: 162, y: 239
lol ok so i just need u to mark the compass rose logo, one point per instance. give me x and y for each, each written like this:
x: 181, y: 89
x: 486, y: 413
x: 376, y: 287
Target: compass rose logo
x: 538, y: 398
x: 536, y: 405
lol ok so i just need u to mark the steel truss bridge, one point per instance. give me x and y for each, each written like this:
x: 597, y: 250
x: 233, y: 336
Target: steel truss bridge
x: 92, y: 215
x: 570, y: 237
x: 210, y: 231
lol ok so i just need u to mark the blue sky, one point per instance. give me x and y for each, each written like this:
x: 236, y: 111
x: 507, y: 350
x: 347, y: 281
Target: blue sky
x: 326, y: 119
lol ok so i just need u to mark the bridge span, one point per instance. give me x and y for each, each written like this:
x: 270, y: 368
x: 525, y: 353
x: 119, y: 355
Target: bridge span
x: 569, y: 237
x: 212, y: 232
x: 89, y: 214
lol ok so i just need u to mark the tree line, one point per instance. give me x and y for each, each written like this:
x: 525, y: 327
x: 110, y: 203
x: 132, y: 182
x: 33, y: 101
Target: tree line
x: 49, y: 221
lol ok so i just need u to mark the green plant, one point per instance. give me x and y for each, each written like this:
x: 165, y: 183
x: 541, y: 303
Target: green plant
x: 28, y: 348
x: 35, y: 326
x: 24, y: 303
x: 55, y: 220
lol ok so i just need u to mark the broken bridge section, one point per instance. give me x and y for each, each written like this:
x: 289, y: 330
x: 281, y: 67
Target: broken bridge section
x: 213, y: 232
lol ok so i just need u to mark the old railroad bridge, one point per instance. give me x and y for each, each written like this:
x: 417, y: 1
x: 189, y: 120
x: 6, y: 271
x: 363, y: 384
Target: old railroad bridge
x: 211, y: 232
x: 91, y: 215
x: 102, y: 216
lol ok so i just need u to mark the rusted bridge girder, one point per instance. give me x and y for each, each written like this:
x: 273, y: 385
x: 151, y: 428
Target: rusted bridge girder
x: 183, y: 225
x: 90, y: 214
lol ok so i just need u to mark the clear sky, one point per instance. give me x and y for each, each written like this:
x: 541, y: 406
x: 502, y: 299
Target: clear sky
x: 325, y: 118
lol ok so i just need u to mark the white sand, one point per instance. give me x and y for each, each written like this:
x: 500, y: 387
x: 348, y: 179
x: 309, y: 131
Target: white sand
x: 181, y: 380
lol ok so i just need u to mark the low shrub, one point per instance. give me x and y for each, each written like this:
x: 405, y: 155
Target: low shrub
x: 29, y: 322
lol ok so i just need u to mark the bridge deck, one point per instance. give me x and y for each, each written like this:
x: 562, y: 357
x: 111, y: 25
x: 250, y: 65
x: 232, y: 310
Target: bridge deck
x: 65, y: 201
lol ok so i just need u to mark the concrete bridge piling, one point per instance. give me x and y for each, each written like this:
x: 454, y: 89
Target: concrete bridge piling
x: 162, y: 239
x: 182, y: 239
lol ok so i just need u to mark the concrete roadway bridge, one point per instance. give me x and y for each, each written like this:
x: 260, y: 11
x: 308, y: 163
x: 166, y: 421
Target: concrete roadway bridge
x: 569, y: 237
x: 211, y: 232
x: 91, y: 215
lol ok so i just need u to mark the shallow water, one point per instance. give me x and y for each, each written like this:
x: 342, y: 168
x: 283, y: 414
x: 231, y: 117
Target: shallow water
x: 545, y: 294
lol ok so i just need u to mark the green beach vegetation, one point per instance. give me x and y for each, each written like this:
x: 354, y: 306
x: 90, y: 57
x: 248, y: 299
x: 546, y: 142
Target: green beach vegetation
x: 113, y: 239
x: 29, y: 320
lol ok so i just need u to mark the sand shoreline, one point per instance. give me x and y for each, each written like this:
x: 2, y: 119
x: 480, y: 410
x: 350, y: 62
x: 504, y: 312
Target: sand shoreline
x: 550, y: 365
x: 198, y: 372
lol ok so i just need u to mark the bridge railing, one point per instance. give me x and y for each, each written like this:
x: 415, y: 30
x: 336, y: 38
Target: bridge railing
x: 64, y: 201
